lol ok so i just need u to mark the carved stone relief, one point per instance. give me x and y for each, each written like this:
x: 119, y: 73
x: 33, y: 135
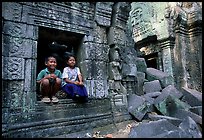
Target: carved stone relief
x: 13, y: 68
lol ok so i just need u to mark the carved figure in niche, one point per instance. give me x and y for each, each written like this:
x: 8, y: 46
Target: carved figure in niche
x: 49, y: 80
x: 114, y: 72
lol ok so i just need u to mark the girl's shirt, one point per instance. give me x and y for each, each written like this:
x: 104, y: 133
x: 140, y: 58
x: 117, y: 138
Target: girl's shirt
x: 71, y: 74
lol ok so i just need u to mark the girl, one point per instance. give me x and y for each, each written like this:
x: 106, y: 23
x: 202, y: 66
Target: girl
x: 72, y: 81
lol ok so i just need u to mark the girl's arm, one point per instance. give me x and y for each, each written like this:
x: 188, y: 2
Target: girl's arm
x: 68, y: 81
x: 80, y: 79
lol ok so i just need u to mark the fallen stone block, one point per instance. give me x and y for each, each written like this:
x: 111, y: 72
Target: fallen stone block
x: 170, y: 89
x: 169, y: 104
x: 137, y: 106
x: 152, y: 86
x: 155, y: 129
x: 196, y: 109
x: 181, y: 113
x: 153, y: 94
x: 163, y: 77
x: 140, y: 83
x: 141, y: 64
x: 193, y: 97
x: 173, y: 134
x: 173, y: 120
x: 190, y: 127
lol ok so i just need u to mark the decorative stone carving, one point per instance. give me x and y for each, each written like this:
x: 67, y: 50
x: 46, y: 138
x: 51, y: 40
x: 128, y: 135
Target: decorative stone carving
x: 103, y: 13
x: 97, y: 88
x: 18, y: 47
x: 11, y: 11
x: 13, y: 68
x: 19, y: 30
x: 116, y: 36
x: 148, y: 20
x: 15, y: 89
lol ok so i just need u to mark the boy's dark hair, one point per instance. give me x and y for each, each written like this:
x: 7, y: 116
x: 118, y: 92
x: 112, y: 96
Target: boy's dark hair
x: 47, y: 58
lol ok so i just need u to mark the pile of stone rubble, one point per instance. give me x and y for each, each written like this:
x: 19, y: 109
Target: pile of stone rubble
x: 164, y: 111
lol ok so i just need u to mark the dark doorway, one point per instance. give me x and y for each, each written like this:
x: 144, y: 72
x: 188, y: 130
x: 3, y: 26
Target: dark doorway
x: 47, y: 36
x: 152, y: 60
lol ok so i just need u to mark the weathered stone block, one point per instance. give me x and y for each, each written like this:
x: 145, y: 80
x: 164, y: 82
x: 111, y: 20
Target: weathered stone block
x: 173, y: 120
x: 196, y: 109
x: 87, y: 51
x: 164, y: 78
x: 13, y: 68
x: 152, y: 129
x: 140, y: 83
x: 193, y: 97
x: 141, y: 64
x: 11, y: 11
x: 19, y: 47
x: 113, y: 71
x: 100, y: 35
x: 103, y: 13
x: 168, y: 104
x: 137, y: 106
x: 181, y: 113
x: 153, y: 94
x: 116, y: 36
x: 88, y: 69
x: 190, y: 127
x: 152, y: 86
x: 19, y: 30
x: 101, y: 52
x: 129, y: 70
x: 96, y: 88
x: 171, y: 90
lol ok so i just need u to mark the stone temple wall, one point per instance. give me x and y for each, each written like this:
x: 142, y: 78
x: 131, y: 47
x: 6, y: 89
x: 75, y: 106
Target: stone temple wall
x: 103, y: 25
x: 174, y: 31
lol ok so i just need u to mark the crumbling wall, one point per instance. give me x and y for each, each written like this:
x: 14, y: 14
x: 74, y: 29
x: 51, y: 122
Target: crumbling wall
x: 173, y: 30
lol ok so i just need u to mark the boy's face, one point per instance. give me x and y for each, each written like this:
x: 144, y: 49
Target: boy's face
x: 51, y: 63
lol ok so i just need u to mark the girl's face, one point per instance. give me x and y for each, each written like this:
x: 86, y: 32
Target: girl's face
x: 51, y: 63
x: 71, y: 62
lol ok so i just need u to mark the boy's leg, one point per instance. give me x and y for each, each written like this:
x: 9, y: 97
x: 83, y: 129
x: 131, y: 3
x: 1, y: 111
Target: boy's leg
x: 55, y: 88
x: 44, y: 89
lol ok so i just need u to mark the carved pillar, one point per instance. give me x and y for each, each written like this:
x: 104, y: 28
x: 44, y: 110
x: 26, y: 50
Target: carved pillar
x: 166, y: 48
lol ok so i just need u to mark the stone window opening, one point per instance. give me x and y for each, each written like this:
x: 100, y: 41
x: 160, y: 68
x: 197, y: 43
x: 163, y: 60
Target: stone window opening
x: 152, y: 60
x: 58, y: 43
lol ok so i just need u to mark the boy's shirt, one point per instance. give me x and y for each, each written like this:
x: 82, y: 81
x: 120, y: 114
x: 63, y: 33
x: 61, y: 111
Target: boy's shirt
x: 45, y: 72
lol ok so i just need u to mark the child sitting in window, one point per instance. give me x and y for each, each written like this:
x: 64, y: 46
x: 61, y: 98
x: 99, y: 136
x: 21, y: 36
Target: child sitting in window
x: 72, y: 81
x: 49, y: 80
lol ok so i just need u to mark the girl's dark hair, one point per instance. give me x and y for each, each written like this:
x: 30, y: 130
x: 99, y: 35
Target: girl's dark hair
x: 70, y: 55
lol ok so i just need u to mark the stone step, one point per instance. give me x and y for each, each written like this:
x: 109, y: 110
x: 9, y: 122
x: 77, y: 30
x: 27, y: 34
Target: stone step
x: 50, y: 112
x: 60, y: 119
x: 51, y: 128
x: 62, y: 104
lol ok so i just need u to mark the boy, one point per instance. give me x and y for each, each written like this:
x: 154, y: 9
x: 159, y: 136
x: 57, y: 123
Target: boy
x: 49, y: 80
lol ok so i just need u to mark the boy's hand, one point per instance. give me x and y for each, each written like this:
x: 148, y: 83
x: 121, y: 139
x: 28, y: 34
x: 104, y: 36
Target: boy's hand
x: 53, y: 76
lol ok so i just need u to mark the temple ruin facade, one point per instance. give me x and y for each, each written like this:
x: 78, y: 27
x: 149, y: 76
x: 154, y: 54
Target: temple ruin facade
x: 115, y: 42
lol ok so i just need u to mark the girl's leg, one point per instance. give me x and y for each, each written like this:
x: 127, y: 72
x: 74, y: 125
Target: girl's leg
x: 68, y: 88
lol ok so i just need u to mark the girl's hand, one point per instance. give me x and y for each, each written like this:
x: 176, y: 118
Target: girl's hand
x: 76, y: 82
x: 81, y: 83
